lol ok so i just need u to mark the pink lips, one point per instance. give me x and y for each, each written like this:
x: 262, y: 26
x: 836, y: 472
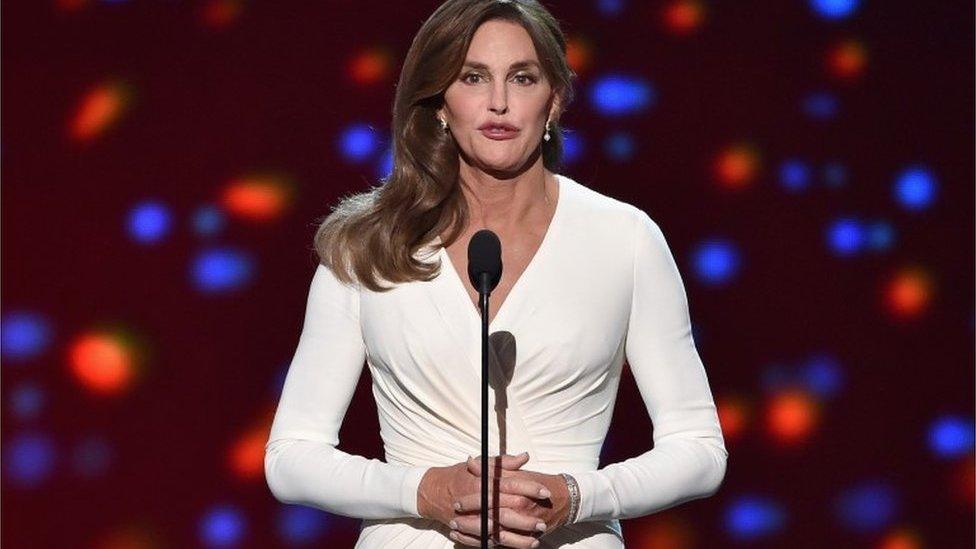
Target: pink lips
x: 499, y: 132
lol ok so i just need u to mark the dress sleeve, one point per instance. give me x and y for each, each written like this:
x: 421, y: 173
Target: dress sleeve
x: 302, y: 463
x: 688, y: 460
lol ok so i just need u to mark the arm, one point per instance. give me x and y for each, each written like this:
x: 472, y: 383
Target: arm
x: 301, y: 463
x: 688, y: 460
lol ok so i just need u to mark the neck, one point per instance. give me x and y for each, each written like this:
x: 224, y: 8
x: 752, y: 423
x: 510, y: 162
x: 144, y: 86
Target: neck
x: 498, y: 202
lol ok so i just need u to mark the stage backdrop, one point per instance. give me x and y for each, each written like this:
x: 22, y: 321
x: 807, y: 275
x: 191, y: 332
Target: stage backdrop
x: 164, y: 164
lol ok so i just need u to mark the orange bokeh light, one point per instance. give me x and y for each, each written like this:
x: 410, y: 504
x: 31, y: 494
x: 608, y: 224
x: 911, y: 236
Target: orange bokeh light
x: 733, y: 415
x: 579, y: 54
x: 256, y: 197
x: 370, y: 66
x: 660, y: 532
x: 683, y: 17
x: 99, y: 109
x: 902, y: 538
x: 791, y: 416
x: 909, y: 293
x: 246, y: 457
x: 847, y: 59
x: 102, y: 363
x: 220, y: 14
x: 737, y: 166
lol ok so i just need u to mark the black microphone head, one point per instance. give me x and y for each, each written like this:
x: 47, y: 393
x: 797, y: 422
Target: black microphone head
x: 485, y: 256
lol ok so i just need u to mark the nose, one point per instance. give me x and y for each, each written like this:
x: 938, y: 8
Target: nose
x: 499, y: 100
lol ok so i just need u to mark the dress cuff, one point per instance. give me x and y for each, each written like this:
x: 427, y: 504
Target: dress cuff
x: 597, y: 501
x: 408, y: 493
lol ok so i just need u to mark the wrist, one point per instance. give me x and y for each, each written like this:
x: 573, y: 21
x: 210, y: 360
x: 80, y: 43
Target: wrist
x: 572, y: 487
x: 424, y: 502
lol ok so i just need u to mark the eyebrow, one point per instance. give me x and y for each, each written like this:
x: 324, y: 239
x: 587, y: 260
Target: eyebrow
x: 516, y: 65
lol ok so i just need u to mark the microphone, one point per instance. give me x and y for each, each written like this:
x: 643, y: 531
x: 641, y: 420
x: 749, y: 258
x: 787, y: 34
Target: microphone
x: 485, y: 261
x: 484, y: 270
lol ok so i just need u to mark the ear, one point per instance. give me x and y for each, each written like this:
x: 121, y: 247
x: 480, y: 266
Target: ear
x: 555, y: 108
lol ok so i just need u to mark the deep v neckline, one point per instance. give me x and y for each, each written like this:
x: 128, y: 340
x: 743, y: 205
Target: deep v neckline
x: 537, y: 257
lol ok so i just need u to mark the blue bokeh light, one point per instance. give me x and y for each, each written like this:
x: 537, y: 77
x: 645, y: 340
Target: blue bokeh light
x: 753, y: 517
x: 573, y: 146
x: 222, y: 526
x: 715, y: 261
x: 834, y: 9
x: 300, y: 524
x: 26, y: 401
x: 619, y: 95
x: 822, y: 375
x: 821, y: 105
x: 358, y: 143
x: 951, y: 436
x: 611, y: 8
x: 384, y: 168
x: 619, y: 146
x: 208, y: 220
x: 915, y: 188
x: 881, y: 235
x: 869, y: 506
x: 221, y: 269
x: 23, y: 335
x: 846, y: 236
x: 149, y: 222
x: 794, y: 175
x: 28, y: 459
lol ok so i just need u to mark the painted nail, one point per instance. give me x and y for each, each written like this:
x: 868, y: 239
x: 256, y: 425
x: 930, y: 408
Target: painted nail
x: 453, y: 525
x: 457, y: 505
x: 544, y: 493
x: 541, y: 527
x: 452, y: 535
x: 535, y: 543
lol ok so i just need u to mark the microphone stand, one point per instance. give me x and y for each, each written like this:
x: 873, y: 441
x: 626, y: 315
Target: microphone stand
x: 483, y: 296
x: 484, y: 271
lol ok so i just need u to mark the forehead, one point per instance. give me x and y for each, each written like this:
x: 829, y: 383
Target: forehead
x: 499, y: 42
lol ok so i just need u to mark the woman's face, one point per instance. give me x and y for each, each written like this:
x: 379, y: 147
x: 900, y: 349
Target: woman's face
x: 495, y: 87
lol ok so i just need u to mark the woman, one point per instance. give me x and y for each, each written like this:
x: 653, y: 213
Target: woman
x: 588, y: 281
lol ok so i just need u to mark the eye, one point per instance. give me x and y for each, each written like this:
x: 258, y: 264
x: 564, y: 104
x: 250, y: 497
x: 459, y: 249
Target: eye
x: 465, y: 77
x: 529, y: 79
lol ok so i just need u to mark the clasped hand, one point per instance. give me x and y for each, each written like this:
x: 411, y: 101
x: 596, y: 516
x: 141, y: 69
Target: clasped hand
x: 525, y: 504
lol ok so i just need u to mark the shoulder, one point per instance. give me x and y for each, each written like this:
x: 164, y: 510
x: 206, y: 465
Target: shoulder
x: 600, y: 213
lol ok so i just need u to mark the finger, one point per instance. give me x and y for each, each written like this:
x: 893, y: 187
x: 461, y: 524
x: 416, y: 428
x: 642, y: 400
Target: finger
x: 507, y: 462
x: 510, y: 519
x: 470, y: 527
x: 472, y: 502
x: 523, y: 487
x: 464, y: 539
x: 514, y: 539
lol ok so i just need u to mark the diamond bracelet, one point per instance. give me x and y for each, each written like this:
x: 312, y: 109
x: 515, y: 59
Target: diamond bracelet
x: 574, y: 497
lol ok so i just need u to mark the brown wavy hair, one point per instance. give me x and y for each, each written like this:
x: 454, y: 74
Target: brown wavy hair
x: 375, y: 234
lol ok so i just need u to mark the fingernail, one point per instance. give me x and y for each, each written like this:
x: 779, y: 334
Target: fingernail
x: 544, y: 493
x: 453, y: 525
x: 457, y: 505
x: 535, y: 543
x: 453, y: 535
x: 523, y: 454
x: 541, y: 527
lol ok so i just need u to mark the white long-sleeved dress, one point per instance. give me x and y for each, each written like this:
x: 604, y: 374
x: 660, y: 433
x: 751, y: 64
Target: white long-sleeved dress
x: 602, y: 288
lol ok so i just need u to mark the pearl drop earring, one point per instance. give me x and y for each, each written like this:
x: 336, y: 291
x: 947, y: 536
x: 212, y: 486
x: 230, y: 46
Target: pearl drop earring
x: 546, y: 136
